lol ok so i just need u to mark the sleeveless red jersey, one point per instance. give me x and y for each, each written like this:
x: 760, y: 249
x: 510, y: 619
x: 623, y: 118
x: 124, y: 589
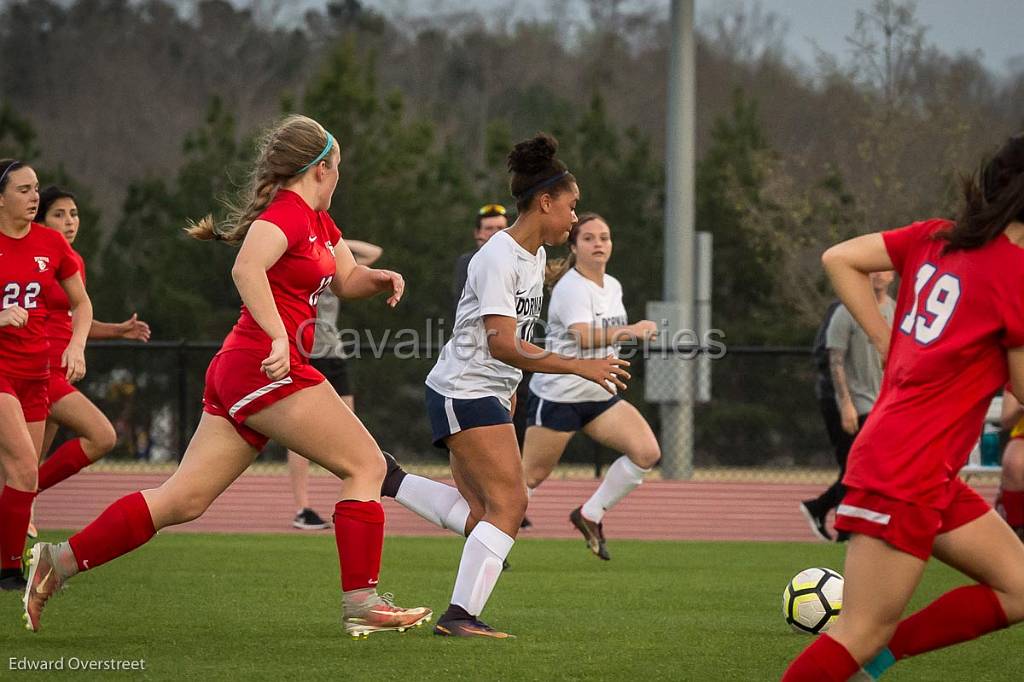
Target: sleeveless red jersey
x: 297, y: 279
x: 31, y: 268
x: 956, y: 316
x: 58, y: 321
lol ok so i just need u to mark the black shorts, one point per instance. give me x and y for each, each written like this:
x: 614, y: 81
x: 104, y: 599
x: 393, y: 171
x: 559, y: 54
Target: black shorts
x: 335, y: 370
x: 449, y: 416
x: 565, y: 416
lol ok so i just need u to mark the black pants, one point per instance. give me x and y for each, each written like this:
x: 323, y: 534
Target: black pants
x: 841, y: 442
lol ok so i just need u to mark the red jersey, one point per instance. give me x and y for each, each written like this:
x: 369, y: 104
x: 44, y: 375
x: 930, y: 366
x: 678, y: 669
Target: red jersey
x: 58, y: 322
x: 30, y: 269
x: 956, y: 316
x: 297, y: 279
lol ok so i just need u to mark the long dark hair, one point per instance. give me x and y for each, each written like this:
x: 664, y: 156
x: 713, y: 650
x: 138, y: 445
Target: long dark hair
x: 993, y: 198
x: 50, y: 195
x: 536, y: 170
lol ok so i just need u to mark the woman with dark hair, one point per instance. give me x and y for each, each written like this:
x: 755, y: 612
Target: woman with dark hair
x: 470, y: 390
x: 58, y: 210
x: 34, y: 261
x: 586, y: 318
x: 260, y: 385
x: 958, y: 335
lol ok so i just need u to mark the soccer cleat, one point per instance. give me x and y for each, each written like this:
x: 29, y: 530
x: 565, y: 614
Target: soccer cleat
x: 43, y: 583
x: 379, y: 614
x: 393, y: 478
x: 592, y: 532
x: 307, y: 519
x: 469, y: 628
x: 816, y: 521
x: 457, y: 622
x: 526, y: 523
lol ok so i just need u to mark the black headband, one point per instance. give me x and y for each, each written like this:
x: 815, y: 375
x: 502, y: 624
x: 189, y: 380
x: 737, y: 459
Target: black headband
x: 8, y: 170
x: 541, y: 185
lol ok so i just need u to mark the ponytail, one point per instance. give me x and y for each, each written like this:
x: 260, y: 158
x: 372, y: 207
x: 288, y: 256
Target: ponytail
x: 291, y: 148
x: 557, y: 268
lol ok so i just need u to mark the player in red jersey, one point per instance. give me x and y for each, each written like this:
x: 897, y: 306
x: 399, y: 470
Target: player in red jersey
x: 260, y: 385
x: 958, y: 334
x: 58, y: 210
x: 33, y: 260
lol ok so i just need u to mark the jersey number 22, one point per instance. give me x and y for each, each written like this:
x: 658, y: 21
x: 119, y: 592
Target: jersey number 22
x: 13, y: 295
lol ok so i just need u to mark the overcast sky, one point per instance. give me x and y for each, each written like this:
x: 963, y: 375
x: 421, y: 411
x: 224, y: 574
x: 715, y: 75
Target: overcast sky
x: 989, y: 27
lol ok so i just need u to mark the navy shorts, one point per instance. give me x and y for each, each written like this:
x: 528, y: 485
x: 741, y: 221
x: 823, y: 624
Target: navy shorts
x: 564, y: 416
x: 448, y: 416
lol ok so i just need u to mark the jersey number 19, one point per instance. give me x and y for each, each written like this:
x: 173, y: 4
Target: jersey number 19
x: 939, y: 305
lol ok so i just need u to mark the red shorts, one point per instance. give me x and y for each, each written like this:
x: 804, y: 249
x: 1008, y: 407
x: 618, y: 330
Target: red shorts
x: 236, y: 388
x: 59, y: 386
x: 31, y: 393
x: 906, y: 526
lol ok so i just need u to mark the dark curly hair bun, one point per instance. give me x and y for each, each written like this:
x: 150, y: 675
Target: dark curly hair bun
x: 533, y: 156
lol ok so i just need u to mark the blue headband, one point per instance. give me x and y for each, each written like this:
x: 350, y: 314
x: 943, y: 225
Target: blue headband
x: 541, y: 185
x: 320, y: 156
x: 8, y: 170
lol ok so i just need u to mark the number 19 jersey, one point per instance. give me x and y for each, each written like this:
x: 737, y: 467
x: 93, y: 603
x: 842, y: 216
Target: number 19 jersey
x: 29, y: 269
x: 956, y: 316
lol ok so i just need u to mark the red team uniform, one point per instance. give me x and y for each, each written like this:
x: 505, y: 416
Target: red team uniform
x: 58, y: 334
x: 956, y: 316
x: 236, y: 386
x: 32, y: 268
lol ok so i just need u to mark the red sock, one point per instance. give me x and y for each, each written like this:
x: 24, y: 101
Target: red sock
x: 15, y: 512
x: 121, y: 527
x: 958, y: 616
x: 1013, y: 507
x: 359, y: 532
x: 825, y: 660
x: 66, y: 461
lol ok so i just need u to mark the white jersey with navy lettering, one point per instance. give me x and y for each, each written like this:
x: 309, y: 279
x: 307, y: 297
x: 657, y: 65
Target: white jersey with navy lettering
x: 574, y: 300
x: 504, y: 279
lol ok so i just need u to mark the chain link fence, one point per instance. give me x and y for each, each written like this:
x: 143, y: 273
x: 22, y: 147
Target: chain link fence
x: 755, y: 414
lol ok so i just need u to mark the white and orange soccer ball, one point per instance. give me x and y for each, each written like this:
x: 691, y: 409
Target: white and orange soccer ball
x: 812, y: 600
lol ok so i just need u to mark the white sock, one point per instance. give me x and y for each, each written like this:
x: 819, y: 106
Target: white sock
x: 482, y: 559
x: 436, y: 502
x: 622, y: 477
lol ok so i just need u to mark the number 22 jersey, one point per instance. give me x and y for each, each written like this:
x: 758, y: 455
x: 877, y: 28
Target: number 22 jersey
x: 956, y: 316
x: 30, y: 268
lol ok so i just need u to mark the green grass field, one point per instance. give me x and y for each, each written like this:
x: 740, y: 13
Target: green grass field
x: 267, y: 607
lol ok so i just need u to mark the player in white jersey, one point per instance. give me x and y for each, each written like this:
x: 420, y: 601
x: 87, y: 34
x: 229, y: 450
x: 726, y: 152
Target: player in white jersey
x: 586, y: 319
x: 470, y: 391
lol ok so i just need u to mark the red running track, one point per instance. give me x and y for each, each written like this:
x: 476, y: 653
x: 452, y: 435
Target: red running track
x: 657, y: 510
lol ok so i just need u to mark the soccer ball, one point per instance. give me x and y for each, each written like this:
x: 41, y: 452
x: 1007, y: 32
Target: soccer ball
x: 812, y: 600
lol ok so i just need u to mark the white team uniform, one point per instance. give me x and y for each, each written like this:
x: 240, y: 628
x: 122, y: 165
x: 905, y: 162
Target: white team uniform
x: 504, y: 279
x: 576, y: 299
